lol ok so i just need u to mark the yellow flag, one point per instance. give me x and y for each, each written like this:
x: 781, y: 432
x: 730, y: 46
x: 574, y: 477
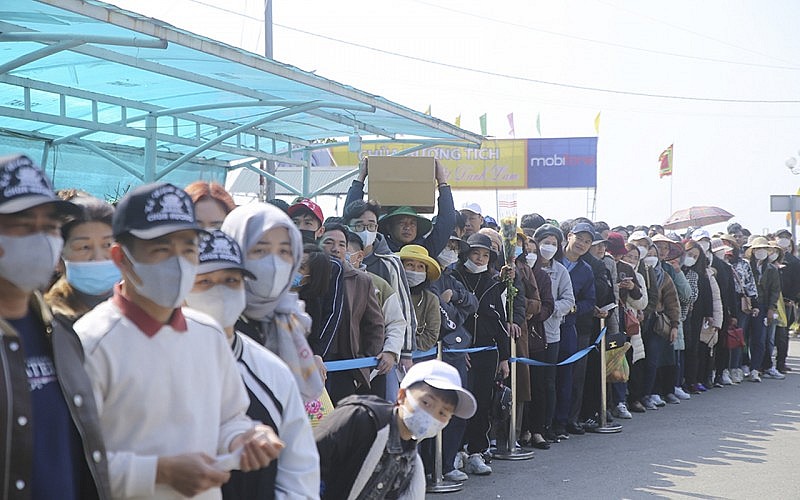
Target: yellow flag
x: 458, y: 121
x: 428, y: 111
x: 597, y: 123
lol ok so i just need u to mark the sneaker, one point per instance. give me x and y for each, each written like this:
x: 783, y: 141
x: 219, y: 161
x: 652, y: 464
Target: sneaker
x: 648, y: 403
x: 455, y: 475
x: 726, y: 377
x: 736, y: 375
x: 460, y: 460
x: 550, y: 436
x: 701, y: 388
x: 681, y: 394
x: 621, y: 411
x: 591, y: 423
x: 672, y: 399
x: 560, y: 431
x: 637, y: 407
x: 745, y: 371
x: 692, y: 389
x: 754, y: 376
x: 475, y: 465
x: 574, y: 428
x: 774, y: 373
x: 658, y: 401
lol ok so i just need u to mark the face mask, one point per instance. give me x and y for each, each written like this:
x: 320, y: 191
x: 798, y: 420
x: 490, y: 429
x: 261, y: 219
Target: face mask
x: 272, y: 276
x: 166, y: 283
x: 784, y: 243
x: 548, y: 251
x: 720, y: 254
x: 29, y: 261
x: 297, y: 280
x: 689, y: 261
x: 651, y: 261
x: 517, y: 252
x: 705, y: 245
x: 642, y: 252
x: 93, y: 278
x: 368, y: 237
x: 773, y: 257
x: 447, y: 257
x: 420, y: 423
x: 473, y: 267
x: 221, y: 302
x: 530, y: 259
x: 761, y: 254
x: 308, y: 235
x: 415, y: 278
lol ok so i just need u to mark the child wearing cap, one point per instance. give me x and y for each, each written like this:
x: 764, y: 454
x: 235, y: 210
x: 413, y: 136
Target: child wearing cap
x: 421, y: 271
x: 274, y: 397
x: 369, y: 445
x: 168, y: 393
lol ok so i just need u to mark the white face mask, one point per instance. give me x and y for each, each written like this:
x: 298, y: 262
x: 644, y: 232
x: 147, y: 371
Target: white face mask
x: 530, y: 259
x: 221, y: 302
x: 651, y: 261
x: 447, y: 257
x: 29, y: 261
x: 474, y: 268
x: 761, y: 253
x: 166, y: 283
x: 704, y: 244
x: 415, y: 278
x: 420, y: 423
x: 720, y: 254
x: 689, y: 261
x: 642, y: 252
x: 273, y: 275
x: 548, y: 251
x: 367, y: 237
x: 784, y: 243
x: 773, y: 257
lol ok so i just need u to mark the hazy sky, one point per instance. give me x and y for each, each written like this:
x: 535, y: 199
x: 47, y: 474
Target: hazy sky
x: 730, y: 154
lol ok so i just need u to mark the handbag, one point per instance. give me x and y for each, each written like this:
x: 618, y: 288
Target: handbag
x: 746, y: 304
x: 632, y: 325
x: 661, y: 326
x: 735, y: 336
x: 708, y: 335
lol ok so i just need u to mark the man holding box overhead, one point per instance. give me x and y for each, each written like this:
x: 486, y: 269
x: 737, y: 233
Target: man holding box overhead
x: 404, y: 226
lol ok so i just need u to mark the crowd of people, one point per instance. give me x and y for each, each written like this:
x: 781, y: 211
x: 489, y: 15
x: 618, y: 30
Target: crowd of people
x: 175, y: 345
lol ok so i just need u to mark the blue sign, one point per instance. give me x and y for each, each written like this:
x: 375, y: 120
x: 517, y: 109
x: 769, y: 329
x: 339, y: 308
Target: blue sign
x: 562, y: 163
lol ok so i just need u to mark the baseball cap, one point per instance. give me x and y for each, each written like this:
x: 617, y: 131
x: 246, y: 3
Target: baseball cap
x: 442, y: 376
x: 153, y: 210
x: 640, y: 235
x: 306, y: 204
x: 783, y: 231
x: 24, y: 185
x: 597, y: 239
x: 489, y: 221
x: 582, y: 227
x: 219, y: 251
x: 472, y: 207
x: 700, y: 234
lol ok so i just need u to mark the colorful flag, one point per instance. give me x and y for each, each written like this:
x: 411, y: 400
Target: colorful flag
x: 458, y: 121
x: 665, y: 162
x: 597, y: 123
x: 428, y: 111
x: 511, y: 125
x: 539, y: 124
x: 483, y: 124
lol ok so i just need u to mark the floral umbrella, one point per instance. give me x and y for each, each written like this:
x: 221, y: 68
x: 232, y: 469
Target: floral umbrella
x: 696, y: 217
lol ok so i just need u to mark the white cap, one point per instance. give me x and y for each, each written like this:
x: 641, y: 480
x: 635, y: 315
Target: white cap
x: 442, y: 376
x: 472, y: 207
x: 640, y: 235
x: 700, y: 234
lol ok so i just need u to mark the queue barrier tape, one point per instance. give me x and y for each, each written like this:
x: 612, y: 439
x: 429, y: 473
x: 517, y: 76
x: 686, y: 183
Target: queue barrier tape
x: 354, y: 364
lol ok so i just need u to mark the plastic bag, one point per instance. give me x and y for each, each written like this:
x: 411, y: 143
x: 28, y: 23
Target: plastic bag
x: 617, y: 368
x: 318, y: 409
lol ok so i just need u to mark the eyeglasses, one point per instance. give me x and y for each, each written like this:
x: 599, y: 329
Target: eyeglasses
x: 371, y: 226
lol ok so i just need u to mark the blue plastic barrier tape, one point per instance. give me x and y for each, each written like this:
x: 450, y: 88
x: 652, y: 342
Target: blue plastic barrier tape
x: 351, y: 364
x: 424, y: 354
x: 473, y: 349
x: 575, y: 357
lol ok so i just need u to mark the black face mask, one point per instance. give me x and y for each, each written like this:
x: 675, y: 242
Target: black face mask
x: 308, y: 236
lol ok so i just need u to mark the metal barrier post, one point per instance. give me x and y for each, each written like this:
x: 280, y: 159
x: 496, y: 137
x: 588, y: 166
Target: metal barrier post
x: 439, y: 484
x: 604, y: 427
x: 512, y: 451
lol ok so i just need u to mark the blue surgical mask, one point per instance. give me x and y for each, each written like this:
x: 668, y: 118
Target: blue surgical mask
x: 297, y: 280
x: 94, y: 277
x: 517, y: 252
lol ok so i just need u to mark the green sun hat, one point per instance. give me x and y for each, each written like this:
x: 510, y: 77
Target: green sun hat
x: 424, y: 225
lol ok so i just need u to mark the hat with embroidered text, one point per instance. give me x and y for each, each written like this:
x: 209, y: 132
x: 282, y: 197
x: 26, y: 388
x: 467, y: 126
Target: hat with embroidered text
x: 24, y: 185
x: 472, y: 207
x: 306, y: 205
x: 442, y: 376
x: 153, y: 210
x: 219, y: 251
x: 700, y: 234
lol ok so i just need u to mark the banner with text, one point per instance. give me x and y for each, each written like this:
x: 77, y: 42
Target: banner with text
x: 502, y: 163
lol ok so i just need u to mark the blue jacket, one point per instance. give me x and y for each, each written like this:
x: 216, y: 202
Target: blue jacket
x: 462, y: 305
x: 582, y: 278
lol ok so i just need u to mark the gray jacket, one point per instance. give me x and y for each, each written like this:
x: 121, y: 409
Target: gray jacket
x: 16, y: 436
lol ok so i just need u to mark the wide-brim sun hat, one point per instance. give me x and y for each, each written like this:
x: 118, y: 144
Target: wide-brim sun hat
x: 420, y: 253
x: 755, y: 244
x: 675, y: 248
x: 424, y: 225
x: 442, y: 376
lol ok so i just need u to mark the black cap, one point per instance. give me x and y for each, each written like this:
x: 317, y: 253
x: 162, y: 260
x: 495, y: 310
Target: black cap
x: 153, y: 210
x: 546, y: 230
x: 478, y: 240
x: 24, y: 185
x: 582, y: 227
x: 219, y: 251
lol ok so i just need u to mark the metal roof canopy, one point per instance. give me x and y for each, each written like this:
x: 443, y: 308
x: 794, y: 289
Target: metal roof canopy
x: 87, y: 73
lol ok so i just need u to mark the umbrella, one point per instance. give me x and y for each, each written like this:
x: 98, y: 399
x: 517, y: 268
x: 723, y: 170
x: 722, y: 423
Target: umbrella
x: 696, y: 217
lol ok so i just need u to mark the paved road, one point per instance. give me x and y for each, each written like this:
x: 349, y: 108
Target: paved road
x: 738, y: 442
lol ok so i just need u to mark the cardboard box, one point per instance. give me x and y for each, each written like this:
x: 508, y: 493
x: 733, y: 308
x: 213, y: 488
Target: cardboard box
x: 396, y: 181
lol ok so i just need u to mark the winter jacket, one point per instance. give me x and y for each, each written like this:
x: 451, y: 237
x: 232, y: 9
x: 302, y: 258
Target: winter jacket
x: 456, y: 312
x: 583, y: 285
x: 790, y: 277
x: 768, y: 281
x: 429, y: 321
x: 488, y: 324
x: 394, y: 322
x: 727, y: 287
x: 564, y: 298
x: 362, y: 332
